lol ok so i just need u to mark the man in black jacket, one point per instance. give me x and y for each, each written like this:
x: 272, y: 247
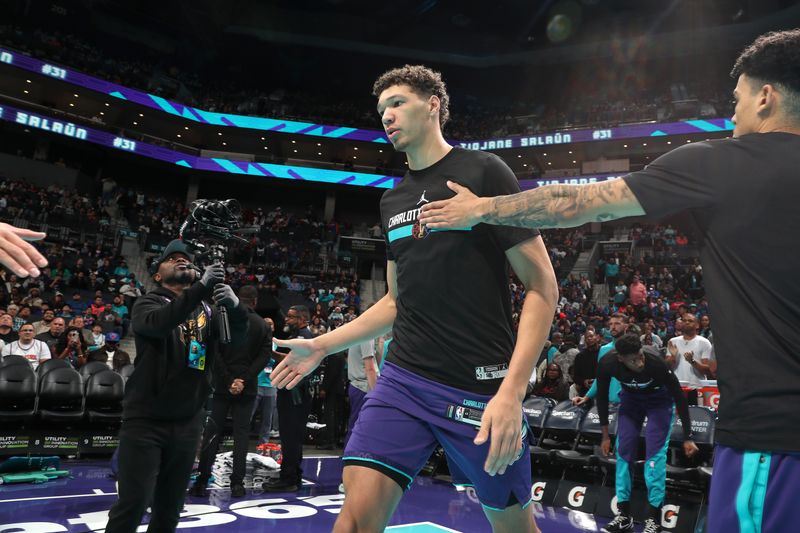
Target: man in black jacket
x: 294, y: 407
x: 235, y: 387
x: 175, y: 332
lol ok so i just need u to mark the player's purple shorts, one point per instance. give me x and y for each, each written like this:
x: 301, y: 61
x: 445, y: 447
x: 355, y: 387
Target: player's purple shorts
x: 405, y: 416
x: 753, y: 492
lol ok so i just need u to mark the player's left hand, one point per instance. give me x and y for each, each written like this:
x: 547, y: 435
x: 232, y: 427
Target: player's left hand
x: 690, y: 448
x: 461, y: 211
x: 502, y: 421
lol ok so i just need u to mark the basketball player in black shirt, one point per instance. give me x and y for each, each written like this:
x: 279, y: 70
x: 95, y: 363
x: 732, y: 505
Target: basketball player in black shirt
x: 741, y: 193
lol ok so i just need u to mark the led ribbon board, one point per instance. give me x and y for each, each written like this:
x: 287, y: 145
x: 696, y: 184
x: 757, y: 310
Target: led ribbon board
x: 88, y: 134
x: 338, y: 132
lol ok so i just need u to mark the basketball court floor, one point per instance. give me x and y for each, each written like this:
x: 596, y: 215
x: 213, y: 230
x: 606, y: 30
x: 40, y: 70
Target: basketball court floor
x: 81, y: 504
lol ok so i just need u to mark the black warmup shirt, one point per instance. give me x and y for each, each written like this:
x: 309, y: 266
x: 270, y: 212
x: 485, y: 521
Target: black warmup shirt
x: 453, y: 322
x: 655, y: 376
x: 743, y: 196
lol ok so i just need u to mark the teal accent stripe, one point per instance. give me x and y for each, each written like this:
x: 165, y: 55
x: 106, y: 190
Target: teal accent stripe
x: 393, y: 469
x: 164, y: 104
x: 760, y: 490
x: 527, y: 503
x: 405, y: 231
x: 623, y: 480
x: 704, y: 125
x: 492, y: 508
x: 183, y: 163
x: 227, y: 165
x: 656, y: 479
x: 399, y: 233
x: 117, y: 94
x: 752, y: 491
x: 464, y: 485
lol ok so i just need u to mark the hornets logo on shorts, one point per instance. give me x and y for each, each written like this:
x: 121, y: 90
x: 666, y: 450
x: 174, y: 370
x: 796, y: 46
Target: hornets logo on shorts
x: 418, y: 231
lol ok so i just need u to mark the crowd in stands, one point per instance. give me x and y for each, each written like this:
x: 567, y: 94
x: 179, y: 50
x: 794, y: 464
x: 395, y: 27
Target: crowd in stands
x: 660, y: 297
x: 594, y: 105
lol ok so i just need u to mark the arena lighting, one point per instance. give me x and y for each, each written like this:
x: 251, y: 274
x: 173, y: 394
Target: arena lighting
x: 355, y: 147
x: 29, y: 81
x: 564, y: 18
x: 186, y: 127
x: 25, y: 91
x: 75, y: 95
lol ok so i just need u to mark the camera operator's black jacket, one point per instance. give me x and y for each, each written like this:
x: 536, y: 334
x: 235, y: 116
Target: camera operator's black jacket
x: 163, y: 387
x: 245, y: 361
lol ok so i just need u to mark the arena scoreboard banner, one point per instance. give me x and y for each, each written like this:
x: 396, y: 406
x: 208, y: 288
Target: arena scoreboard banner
x: 65, y: 128
x: 17, y: 59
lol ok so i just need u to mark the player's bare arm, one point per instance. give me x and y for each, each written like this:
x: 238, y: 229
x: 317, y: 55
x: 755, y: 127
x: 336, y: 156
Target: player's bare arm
x: 549, y: 206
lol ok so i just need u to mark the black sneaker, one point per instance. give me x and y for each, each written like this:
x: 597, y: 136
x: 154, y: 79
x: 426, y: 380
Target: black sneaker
x: 280, y: 486
x: 651, y: 526
x: 237, y: 490
x: 619, y: 524
x: 199, y: 489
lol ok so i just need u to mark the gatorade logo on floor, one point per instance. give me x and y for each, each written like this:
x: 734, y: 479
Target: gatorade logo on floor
x: 537, y: 491
x: 576, y: 496
x: 669, y: 516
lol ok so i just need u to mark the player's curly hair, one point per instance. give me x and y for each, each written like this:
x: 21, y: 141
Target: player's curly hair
x: 774, y: 58
x: 628, y: 344
x: 422, y: 80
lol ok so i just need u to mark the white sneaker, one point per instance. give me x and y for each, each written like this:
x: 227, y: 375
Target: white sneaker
x: 274, y: 434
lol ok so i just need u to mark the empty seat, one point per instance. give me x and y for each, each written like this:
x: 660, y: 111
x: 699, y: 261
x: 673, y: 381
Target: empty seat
x: 9, y: 360
x: 61, y: 395
x: 560, y: 429
x: 17, y: 392
x: 126, y: 371
x: 90, y: 368
x: 537, y: 409
x: 589, y: 436
x: 50, y: 364
x: 104, y: 392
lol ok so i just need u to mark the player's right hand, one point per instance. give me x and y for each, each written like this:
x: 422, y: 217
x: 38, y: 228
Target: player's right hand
x: 17, y: 254
x: 304, y: 357
x: 579, y: 400
x: 605, y: 447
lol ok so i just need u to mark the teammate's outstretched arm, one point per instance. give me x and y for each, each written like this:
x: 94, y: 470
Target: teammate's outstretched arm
x: 19, y: 255
x: 307, y: 354
x: 549, y: 206
x: 502, y: 418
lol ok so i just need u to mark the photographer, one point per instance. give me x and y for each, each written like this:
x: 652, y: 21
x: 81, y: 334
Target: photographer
x: 175, y: 332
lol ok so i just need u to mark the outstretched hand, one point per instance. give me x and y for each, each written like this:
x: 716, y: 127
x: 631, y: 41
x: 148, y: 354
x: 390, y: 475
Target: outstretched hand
x: 17, y: 254
x: 304, y: 357
x: 459, y: 212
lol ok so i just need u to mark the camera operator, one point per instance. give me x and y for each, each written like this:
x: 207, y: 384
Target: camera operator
x: 175, y: 332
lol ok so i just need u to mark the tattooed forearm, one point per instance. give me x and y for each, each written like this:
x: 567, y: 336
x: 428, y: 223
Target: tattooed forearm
x: 564, y: 206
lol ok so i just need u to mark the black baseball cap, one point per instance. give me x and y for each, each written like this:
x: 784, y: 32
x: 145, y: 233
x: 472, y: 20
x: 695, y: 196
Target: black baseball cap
x: 176, y: 246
